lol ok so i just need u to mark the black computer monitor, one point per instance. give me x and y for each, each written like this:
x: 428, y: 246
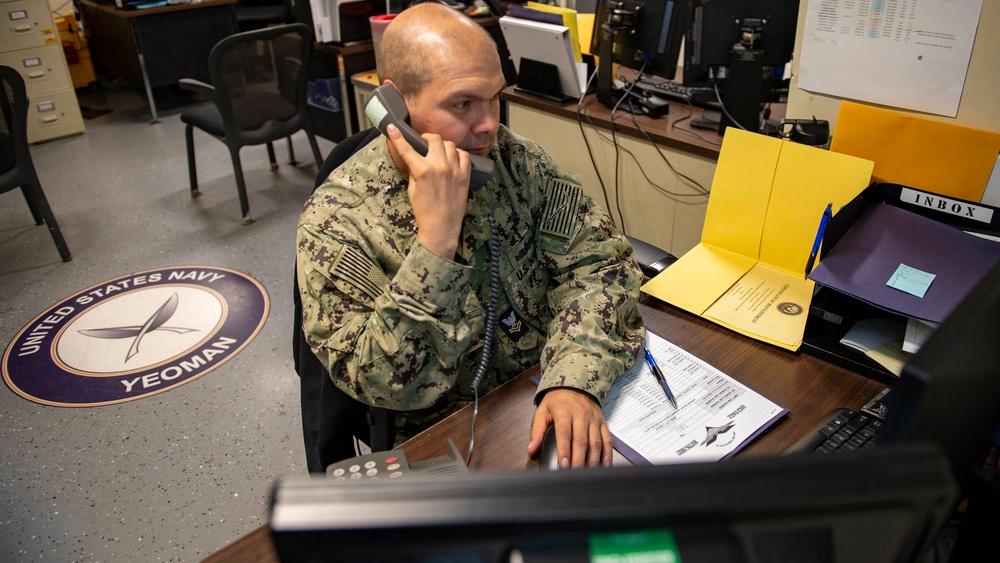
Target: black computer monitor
x: 740, y: 47
x: 638, y: 34
x: 876, y: 506
x: 948, y: 393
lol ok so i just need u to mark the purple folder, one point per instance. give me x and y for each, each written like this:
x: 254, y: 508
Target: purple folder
x: 885, y: 236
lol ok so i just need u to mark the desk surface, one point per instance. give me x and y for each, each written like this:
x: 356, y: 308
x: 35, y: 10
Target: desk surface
x: 673, y: 130
x: 810, y: 388
x: 112, y: 9
x: 662, y: 130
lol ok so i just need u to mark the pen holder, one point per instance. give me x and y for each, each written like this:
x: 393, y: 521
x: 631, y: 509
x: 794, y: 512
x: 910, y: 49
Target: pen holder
x: 813, y: 132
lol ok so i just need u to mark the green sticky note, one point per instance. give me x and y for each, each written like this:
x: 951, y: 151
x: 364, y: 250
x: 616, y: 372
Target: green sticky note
x: 651, y: 546
x: 910, y: 280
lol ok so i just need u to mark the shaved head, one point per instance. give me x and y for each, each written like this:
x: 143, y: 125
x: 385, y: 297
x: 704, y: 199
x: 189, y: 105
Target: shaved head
x: 424, y: 37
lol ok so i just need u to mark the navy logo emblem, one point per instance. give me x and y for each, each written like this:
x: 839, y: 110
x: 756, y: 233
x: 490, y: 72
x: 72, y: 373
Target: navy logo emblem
x: 712, y: 434
x: 135, y: 336
x: 790, y: 309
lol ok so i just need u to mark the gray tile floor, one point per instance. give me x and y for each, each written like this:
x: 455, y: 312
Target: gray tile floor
x: 178, y: 475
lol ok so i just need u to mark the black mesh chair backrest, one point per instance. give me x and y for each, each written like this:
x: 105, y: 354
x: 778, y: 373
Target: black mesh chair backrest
x: 8, y: 147
x: 261, y: 80
x: 259, y: 94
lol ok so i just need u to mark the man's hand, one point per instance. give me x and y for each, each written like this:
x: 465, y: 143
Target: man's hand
x: 438, y: 190
x: 582, y: 435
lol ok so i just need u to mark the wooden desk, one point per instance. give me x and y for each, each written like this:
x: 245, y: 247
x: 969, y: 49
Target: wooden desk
x: 648, y: 198
x: 157, y: 46
x: 810, y: 388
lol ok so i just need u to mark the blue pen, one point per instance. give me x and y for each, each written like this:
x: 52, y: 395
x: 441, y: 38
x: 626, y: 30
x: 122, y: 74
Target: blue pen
x: 827, y: 215
x: 660, y: 378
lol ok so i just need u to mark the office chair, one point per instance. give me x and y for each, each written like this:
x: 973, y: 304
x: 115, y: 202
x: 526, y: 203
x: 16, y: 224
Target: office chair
x: 255, y: 14
x: 17, y: 170
x: 258, y: 93
x: 330, y: 418
x: 652, y: 259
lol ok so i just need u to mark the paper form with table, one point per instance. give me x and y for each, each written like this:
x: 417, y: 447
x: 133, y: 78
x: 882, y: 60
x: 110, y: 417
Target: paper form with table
x: 767, y: 201
x: 715, y: 418
x: 913, y: 55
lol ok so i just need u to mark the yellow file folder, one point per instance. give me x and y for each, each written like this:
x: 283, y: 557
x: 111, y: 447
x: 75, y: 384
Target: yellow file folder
x: 935, y: 156
x: 569, y: 20
x: 748, y: 272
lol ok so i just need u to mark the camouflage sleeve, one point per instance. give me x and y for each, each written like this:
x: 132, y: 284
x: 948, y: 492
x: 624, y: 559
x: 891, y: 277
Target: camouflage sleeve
x: 596, y: 332
x: 391, y: 343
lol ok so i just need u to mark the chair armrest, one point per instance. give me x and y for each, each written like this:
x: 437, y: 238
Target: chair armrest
x: 202, y: 88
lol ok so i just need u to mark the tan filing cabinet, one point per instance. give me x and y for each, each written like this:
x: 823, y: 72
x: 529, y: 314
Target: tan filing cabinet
x: 29, y: 42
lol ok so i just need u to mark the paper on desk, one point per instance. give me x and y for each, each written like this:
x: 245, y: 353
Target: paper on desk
x: 715, y: 418
x: 885, y: 236
x: 868, y: 334
x: 890, y: 356
x: 942, y: 158
x: 748, y: 272
x: 917, y: 332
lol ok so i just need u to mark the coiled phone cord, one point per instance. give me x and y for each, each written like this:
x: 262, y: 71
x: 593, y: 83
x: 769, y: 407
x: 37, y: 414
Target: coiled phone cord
x: 489, y: 340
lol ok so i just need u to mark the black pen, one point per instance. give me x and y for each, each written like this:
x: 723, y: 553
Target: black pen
x: 660, y: 378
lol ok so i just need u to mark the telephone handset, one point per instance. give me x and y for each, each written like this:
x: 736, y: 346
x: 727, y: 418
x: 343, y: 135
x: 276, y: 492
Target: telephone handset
x: 385, y: 106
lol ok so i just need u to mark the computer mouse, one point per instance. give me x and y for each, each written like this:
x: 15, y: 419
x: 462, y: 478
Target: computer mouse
x: 548, y: 456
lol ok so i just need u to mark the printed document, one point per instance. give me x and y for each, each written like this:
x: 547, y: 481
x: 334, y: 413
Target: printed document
x: 715, y: 418
x: 910, y: 54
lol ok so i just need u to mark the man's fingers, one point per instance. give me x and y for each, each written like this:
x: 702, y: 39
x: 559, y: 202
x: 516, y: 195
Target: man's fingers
x: 403, y: 147
x: 607, y: 454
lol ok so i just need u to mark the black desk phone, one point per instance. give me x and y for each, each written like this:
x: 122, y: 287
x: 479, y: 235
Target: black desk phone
x: 385, y: 105
x: 392, y: 464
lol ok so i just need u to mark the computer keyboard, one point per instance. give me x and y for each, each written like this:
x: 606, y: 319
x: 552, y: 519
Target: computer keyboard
x: 670, y: 90
x: 845, y: 429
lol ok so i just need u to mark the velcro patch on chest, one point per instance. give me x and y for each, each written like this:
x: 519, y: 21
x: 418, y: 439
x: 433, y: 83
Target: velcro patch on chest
x: 560, y: 213
x: 352, y: 266
x: 560, y: 221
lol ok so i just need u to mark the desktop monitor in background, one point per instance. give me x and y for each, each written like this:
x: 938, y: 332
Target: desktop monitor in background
x: 875, y: 506
x: 633, y: 33
x: 741, y: 47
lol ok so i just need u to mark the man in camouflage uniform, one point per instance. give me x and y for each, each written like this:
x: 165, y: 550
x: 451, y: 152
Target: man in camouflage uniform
x: 394, y: 263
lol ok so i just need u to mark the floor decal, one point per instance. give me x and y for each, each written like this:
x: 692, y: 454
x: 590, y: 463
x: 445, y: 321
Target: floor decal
x: 135, y: 336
